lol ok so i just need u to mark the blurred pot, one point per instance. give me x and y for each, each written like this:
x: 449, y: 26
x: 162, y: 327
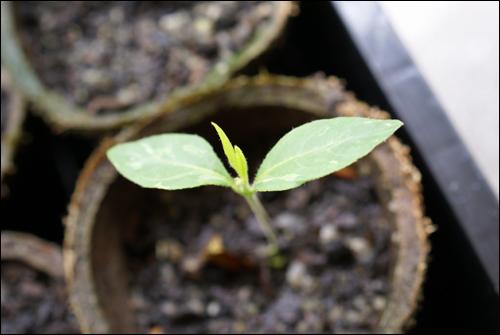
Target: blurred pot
x: 65, y: 115
x: 13, y: 115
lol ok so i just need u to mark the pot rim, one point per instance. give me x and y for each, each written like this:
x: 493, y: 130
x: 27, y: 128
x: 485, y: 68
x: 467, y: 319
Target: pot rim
x: 13, y: 128
x: 34, y: 252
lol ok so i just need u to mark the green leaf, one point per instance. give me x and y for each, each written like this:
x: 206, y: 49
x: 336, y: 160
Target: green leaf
x: 170, y: 162
x: 234, y: 154
x: 242, y: 164
x: 319, y: 148
x: 226, y: 145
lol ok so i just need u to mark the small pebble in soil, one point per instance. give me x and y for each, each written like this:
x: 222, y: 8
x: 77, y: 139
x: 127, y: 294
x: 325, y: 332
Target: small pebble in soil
x: 361, y: 248
x: 213, y: 309
x: 191, y: 264
x: 297, y: 276
x: 379, y: 303
x: 328, y: 233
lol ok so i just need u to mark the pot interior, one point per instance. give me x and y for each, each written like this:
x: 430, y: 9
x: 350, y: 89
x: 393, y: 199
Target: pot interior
x: 255, y: 129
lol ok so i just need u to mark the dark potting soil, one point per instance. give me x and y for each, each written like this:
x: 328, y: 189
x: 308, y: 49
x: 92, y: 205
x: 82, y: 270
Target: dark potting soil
x: 33, y: 303
x: 197, y: 265
x: 112, y: 55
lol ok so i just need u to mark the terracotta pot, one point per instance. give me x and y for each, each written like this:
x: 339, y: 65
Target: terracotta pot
x: 64, y: 115
x: 12, y: 130
x: 251, y: 109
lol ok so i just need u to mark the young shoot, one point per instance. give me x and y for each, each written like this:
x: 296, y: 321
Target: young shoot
x: 311, y: 151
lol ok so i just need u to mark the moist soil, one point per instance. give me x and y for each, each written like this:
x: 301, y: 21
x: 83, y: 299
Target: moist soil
x: 33, y: 303
x: 113, y: 55
x: 198, y: 265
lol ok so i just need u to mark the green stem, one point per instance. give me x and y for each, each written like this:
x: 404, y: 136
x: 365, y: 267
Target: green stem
x: 263, y: 219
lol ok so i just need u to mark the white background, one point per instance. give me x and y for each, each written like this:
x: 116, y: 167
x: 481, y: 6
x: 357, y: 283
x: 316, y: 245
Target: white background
x: 455, y: 45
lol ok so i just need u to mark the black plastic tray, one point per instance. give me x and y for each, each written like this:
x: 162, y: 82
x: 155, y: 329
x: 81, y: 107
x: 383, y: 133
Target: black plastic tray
x: 354, y: 41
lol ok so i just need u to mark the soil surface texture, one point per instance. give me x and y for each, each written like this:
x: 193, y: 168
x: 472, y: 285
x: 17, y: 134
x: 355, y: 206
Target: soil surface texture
x: 113, y: 55
x: 33, y: 303
x: 199, y: 264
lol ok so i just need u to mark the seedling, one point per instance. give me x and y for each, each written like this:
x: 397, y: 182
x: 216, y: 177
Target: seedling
x: 308, y: 152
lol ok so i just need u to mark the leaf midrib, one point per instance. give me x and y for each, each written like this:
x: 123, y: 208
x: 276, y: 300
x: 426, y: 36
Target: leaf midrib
x: 274, y: 167
x: 194, y: 167
x: 259, y: 177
